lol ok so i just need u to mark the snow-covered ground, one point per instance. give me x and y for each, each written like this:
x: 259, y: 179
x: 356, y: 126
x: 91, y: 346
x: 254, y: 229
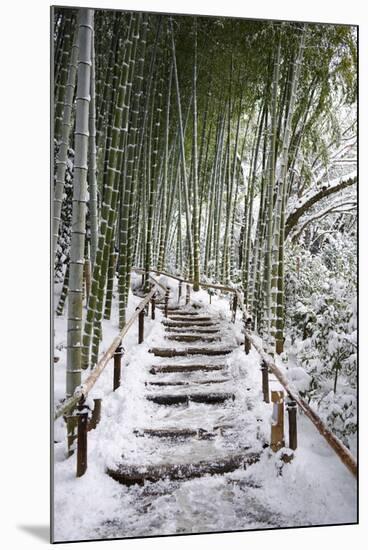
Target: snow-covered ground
x: 314, y: 489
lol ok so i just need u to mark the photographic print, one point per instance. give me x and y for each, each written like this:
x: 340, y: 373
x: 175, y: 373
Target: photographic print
x: 204, y: 274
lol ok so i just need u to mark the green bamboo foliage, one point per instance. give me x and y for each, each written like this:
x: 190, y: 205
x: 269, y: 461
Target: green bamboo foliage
x: 92, y: 325
x: 75, y: 293
x: 114, y: 170
x: 129, y: 173
x: 182, y: 154
x: 190, y: 168
x: 271, y: 165
x: 280, y: 308
x: 92, y: 166
x: 163, y: 227
x: 63, y: 74
x: 152, y: 180
x: 196, y: 249
x: 66, y: 126
x: 247, y: 280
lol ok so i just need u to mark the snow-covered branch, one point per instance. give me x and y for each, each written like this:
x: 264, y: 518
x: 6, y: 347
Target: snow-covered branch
x: 310, y: 199
x: 339, y: 207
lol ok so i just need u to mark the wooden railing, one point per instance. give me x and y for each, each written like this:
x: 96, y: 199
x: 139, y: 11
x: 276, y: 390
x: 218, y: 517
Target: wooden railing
x: 277, y: 398
x: 268, y: 366
x: 115, y: 350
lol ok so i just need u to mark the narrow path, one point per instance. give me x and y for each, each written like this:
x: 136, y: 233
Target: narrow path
x: 136, y: 433
x: 196, y: 421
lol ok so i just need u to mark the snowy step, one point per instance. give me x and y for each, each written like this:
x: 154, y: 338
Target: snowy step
x: 185, y: 329
x: 194, y: 319
x: 182, y: 313
x: 169, y: 352
x: 131, y: 474
x: 179, y: 399
x: 188, y: 383
x: 187, y: 323
x: 176, y: 311
x: 184, y: 368
x: 177, y: 433
x: 192, y: 338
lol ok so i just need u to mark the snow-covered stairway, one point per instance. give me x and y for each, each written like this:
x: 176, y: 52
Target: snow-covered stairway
x: 199, y: 421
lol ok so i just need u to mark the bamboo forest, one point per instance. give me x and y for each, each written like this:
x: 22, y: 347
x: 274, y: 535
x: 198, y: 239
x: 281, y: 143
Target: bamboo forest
x: 204, y: 253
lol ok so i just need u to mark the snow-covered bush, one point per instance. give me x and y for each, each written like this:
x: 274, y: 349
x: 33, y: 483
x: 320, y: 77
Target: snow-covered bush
x: 321, y: 325
x: 62, y: 249
x: 340, y: 414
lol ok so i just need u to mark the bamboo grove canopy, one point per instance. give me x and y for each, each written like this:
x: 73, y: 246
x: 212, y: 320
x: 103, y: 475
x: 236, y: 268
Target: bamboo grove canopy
x: 192, y: 145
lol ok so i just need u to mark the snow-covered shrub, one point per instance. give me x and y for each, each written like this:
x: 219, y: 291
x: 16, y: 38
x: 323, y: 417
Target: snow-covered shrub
x: 321, y: 325
x: 63, y: 245
x: 339, y: 413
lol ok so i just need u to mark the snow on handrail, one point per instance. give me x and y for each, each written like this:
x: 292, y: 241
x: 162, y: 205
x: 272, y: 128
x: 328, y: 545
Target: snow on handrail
x: 342, y: 452
x: 82, y: 391
x: 186, y: 281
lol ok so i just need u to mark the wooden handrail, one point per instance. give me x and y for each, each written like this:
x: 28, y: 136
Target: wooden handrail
x: 342, y: 452
x: 82, y: 391
x: 186, y: 281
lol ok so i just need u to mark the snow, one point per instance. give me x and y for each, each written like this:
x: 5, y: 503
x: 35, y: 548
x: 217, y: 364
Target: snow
x: 330, y: 185
x: 314, y: 489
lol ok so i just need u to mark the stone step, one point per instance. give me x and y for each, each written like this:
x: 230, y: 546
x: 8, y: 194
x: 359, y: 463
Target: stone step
x: 169, y: 352
x: 163, y: 383
x: 192, y: 338
x: 181, y: 313
x: 187, y: 323
x: 171, y: 309
x: 198, y: 330
x: 157, y: 369
x: 195, y: 319
x: 180, y: 399
x: 176, y: 433
x: 131, y: 474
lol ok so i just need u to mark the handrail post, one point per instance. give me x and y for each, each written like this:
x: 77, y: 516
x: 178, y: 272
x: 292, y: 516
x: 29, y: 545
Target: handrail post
x: 187, y: 296
x: 96, y: 414
x: 247, y: 327
x: 265, y: 383
x: 117, y: 366
x: 277, y: 427
x: 141, y: 326
x: 82, y: 438
x: 153, y: 307
x: 292, y: 415
x: 167, y: 294
x: 247, y: 345
x: 234, y: 305
x: 179, y: 291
